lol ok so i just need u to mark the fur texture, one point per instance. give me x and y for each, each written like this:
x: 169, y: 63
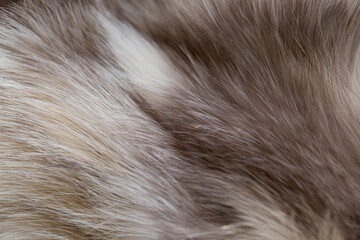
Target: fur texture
x: 166, y: 119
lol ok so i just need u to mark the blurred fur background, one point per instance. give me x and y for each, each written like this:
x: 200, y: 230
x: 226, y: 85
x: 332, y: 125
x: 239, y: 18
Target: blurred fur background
x: 166, y: 119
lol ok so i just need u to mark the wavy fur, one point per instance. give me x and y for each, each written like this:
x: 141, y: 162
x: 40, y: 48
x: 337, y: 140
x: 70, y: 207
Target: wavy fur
x: 166, y: 119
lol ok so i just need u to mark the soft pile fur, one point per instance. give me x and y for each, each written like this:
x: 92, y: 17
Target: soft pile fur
x: 167, y: 119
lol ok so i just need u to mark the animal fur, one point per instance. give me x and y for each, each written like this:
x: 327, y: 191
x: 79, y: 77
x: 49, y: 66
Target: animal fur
x: 167, y: 119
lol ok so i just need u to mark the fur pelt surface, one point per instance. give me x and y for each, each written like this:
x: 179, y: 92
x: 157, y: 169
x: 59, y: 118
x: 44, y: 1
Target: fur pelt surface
x: 180, y: 120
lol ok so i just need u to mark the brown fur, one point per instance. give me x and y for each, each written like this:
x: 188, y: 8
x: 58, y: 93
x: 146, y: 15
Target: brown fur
x: 164, y: 119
